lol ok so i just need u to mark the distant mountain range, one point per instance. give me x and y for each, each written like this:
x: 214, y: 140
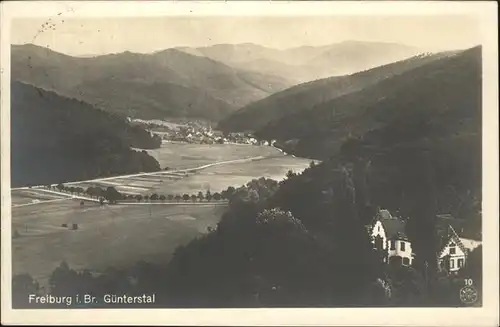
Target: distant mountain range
x: 168, y: 83
x: 55, y: 139
x: 208, y: 83
x: 306, y: 63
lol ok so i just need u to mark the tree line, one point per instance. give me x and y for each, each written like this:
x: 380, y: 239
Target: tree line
x: 111, y: 195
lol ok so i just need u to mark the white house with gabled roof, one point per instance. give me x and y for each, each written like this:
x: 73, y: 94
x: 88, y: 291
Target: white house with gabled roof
x: 388, y: 236
x: 453, y: 255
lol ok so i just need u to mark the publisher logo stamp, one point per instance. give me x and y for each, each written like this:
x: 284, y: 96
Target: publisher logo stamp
x: 468, y: 295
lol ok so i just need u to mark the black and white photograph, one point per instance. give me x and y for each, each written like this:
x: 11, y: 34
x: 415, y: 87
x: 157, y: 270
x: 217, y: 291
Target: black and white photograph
x: 246, y: 161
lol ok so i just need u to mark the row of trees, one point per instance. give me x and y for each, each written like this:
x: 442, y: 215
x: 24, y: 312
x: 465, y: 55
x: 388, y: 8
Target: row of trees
x: 200, y: 196
x: 112, y: 195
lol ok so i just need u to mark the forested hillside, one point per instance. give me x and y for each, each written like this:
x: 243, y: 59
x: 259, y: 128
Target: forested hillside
x: 447, y: 87
x: 310, y: 95
x: 56, y: 139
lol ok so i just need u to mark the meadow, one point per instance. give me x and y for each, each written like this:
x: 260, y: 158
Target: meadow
x: 183, y: 155
x: 107, y: 236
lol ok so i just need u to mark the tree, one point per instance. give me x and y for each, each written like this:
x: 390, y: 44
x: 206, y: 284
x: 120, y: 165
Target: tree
x: 146, y: 197
x: 71, y: 189
x: 217, y: 196
x: 290, y: 174
x: 154, y: 197
x: 60, y: 186
x: 208, y: 196
x: 99, y: 192
x: 22, y: 286
x: 112, y: 195
x: 62, y: 280
x: 421, y: 227
x: 170, y: 197
x: 193, y: 197
x: 229, y: 192
x: 90, y: 191
x: 200, y: 196
x: 138, y: 197
x: 162, y: 197
x: 178, y: 198
x: 186, y: 197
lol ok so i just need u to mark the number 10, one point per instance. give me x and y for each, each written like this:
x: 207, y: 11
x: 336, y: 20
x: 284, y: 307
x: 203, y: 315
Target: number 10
x: 468, y: 282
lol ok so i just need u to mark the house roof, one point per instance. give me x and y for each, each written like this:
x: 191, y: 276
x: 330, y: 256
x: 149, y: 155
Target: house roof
x: 453, y: 236
x: 383, y: 214
x: 462, y: 227
x: 394, y: 227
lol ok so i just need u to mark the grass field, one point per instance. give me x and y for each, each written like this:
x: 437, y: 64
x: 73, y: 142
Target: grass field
x: 24, y: 197
x: 182, y: 156
x: 218, y: 178
x: 271, y: 164
x: 107, y: 236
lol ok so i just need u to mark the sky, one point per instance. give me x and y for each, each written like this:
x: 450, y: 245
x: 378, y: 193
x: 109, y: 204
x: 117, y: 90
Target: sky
x: 96, y: 36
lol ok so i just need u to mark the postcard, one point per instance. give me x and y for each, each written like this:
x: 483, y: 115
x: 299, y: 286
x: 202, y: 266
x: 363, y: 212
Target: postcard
x: 249, y: 163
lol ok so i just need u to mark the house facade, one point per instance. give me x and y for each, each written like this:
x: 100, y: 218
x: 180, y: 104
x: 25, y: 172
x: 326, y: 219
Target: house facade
x: 389, y: 237
x: 453, y: 255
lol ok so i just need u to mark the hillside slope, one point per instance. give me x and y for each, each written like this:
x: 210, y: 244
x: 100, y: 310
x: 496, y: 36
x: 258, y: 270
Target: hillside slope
x: 449, y: 84
x: 55, y: 139
x: 308, y: 95
x: 167, y: 83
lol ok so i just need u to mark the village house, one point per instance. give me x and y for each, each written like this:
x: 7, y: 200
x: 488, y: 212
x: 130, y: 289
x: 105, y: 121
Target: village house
x: 457, y: 241
x: 389, y: 236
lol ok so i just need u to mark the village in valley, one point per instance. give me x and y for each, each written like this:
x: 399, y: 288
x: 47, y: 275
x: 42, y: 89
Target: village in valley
x: 198, y: 132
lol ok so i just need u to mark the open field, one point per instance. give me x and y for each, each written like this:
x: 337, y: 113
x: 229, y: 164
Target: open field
x: 149, y: 233
x: 32, y: 196
x: 214, y: 178
x: 204, y: 167
x: 218, y: 178
x: 182, y: 156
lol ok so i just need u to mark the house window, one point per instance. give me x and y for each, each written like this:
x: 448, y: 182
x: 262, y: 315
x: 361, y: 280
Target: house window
x: 406, y: 261
x: 393, y: 245
x: 379, y: 243
x: 460, y: 263
x: 452, y: 264
x: 403, y: 246
x: 453, y: 250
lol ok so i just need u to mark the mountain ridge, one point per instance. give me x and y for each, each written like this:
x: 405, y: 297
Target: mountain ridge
x: 307, y: 95
x: 220, y: 88
x: 439, y: 84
